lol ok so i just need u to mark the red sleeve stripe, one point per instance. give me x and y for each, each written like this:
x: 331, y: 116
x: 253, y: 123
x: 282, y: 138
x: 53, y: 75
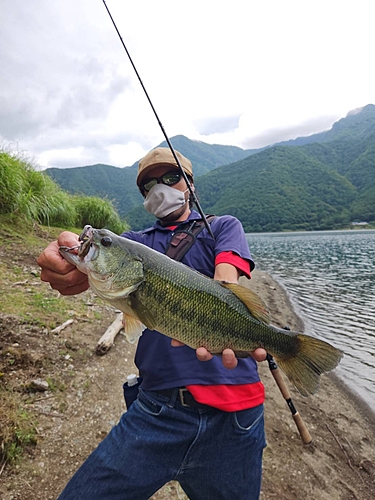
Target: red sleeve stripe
x: 235, y: 260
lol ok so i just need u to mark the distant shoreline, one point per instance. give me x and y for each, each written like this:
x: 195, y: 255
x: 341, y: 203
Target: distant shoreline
x: 287, y: 231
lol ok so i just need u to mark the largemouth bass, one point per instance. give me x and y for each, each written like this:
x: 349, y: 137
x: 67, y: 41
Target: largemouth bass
x: 161, y: 294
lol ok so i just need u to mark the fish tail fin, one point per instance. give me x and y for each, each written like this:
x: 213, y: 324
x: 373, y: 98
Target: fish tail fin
x: 312, y: 358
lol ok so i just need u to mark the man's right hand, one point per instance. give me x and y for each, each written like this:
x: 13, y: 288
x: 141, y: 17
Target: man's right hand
x: 62, y: 275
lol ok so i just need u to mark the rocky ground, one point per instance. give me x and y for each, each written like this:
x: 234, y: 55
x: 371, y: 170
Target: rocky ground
x: 84, y: 400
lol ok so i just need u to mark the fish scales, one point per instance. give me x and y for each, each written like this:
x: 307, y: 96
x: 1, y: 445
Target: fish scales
x: 212, y: 318
x: 196, y: 310
x: 167, y: 296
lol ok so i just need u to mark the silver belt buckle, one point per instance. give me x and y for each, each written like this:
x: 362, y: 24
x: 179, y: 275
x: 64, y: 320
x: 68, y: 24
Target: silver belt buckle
x: 181, y: 392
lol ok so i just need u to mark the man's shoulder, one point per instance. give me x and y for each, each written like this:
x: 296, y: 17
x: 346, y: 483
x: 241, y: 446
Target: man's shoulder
x: 137, y: 235
x: 226, y: 221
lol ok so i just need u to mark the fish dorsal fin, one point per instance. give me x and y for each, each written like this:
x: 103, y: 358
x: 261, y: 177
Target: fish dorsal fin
x: 251, y: 300
x: 133, y: 328
x: 142, y: 312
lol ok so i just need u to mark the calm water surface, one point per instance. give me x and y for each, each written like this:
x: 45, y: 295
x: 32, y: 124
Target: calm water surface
x: 330, y: 278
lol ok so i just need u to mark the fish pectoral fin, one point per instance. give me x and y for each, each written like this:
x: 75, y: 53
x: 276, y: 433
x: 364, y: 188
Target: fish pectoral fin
x: 142, y: 312
x: 251, y: 300
x: 133, y: 328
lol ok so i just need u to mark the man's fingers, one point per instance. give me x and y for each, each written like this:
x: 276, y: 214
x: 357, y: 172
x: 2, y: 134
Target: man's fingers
x: 229, y: 359
x: 176, y: 343
x: 259, y: 354
x: 203, y: 354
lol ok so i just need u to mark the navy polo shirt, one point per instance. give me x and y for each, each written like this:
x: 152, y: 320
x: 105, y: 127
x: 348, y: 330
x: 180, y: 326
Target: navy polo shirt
x: 163, y: 366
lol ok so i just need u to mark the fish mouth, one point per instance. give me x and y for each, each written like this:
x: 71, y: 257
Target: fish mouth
x: 86, y: 238
x: 81, y: 250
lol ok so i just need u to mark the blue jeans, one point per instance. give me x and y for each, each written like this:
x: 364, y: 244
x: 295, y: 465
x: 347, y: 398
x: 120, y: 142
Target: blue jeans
x: 214, y: 455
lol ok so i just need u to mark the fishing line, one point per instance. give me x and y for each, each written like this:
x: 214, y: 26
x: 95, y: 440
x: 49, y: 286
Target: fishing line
x: 192, y: 193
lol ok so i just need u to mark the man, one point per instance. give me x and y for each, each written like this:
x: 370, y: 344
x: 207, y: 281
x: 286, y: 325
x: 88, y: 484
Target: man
x: 197, y: 419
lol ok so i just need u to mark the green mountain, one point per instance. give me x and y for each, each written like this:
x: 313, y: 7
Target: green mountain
x: 105, y: 181
x: 321, y: 185
x: 281, y: 188
x: 118, y: 184
x: 206, y: 157
x: 323, y: 181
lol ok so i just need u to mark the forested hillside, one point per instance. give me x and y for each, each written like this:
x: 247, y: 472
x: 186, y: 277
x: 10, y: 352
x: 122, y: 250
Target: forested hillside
x: 118, y: 184
x: 206, y: 157
x: 324, y: 181
x: 281, y: 188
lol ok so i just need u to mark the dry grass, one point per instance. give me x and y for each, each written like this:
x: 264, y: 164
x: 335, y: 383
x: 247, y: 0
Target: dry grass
x: 17, y: 427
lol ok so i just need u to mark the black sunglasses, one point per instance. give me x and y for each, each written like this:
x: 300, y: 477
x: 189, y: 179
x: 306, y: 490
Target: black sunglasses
x: 169, y: 179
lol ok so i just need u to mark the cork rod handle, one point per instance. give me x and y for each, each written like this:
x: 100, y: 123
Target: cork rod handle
x: 276, y: 373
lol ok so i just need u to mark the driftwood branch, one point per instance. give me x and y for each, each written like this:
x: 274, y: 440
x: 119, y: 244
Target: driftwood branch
x: 18, y: 283
x: 3, y: 465
x: 60, y: 328
x: 108, y: 338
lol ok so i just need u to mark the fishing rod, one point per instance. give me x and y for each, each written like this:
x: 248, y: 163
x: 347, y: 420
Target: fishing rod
x: 276, y: 373
x: 192, y: 193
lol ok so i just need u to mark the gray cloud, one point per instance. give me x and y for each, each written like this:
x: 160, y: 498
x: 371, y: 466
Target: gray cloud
x: 87, y: 99
x: 90, y: 156
x: 57, y: 75
x: 28, y: 108
x: 217, y: 125
x: 99, y: 140
x: 63, y: 85
x: 275, y: 135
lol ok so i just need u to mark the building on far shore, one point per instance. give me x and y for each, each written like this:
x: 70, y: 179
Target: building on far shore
x: 359, y: 223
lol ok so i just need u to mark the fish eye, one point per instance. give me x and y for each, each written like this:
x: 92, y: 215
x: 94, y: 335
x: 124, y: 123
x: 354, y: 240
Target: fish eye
x: 106, y: 241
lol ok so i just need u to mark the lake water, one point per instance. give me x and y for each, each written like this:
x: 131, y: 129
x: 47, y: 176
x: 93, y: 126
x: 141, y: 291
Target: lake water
x: 330, y: 279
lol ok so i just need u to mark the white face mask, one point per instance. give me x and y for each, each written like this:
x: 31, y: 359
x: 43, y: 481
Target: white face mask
x: 162, y: 200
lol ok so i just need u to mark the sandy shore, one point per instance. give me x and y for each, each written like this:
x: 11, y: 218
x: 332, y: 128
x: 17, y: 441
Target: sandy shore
x: 338, y: 465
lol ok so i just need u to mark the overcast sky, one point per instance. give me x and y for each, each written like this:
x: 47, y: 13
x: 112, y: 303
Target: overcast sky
x: 240, y: 72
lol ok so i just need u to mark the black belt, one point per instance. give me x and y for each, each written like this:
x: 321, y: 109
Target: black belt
x: 184, y: 397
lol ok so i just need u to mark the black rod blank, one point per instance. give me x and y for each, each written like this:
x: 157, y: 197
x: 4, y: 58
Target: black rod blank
x: 192, y: 193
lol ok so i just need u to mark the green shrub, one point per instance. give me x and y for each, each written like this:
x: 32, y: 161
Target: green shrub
x: 13, y: 175
x: 32, y: 195
x: 98, y: 213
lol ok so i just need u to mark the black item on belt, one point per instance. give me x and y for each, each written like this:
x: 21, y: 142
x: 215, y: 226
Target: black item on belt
x: 184, y: 397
